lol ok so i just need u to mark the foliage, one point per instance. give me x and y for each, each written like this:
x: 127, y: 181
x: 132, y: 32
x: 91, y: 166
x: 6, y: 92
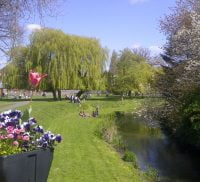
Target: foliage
x: 16, y: 136
x: 130, y: 157
x: 71, y: 62
x: 180, y: 82
x: 133, y: 73
x: 182, y: 28
x: 14, y: 75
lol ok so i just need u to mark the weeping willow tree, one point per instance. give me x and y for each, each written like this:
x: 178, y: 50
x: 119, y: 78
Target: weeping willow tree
x: 71, y: 62
x: 14, y: 75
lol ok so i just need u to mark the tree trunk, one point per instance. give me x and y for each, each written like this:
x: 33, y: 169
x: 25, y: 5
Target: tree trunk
x: 59, y: 95
x: 54, y: 94
x: 129, y: 93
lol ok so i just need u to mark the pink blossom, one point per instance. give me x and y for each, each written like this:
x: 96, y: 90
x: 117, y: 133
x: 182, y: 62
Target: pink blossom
x: 26, y: 138
x: 10, y: 136
x: 2, y: 137
x: 1, y: 126
x: 17, y: 131
x: 22, y: 130
x: 16, y: 143
x: 19, y: 137
x: 10, y: 129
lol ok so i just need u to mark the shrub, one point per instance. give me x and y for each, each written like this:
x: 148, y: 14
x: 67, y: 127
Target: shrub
x: 130, y: 157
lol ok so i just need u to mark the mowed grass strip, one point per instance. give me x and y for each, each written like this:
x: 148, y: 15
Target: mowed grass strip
x: 83, y: 157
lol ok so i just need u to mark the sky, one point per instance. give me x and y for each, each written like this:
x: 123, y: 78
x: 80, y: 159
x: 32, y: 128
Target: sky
x: 118, y: 24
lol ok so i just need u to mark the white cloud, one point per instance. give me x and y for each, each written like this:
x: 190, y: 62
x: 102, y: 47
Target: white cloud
x: 33, y: 27
x: 135, y: 46
x: 137, y: 1
x: 155, y: 50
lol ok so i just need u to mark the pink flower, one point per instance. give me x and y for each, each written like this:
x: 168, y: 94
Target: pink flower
x: 35, y: 78
x: 1, y: 126
x: 16, y: 143
x: 19, y: 137
x: 2, y: 137
x: 26, y: 138
x: 10, y: 129
x: 22, y: 130
x: 10, y: 136
x: 17, y: 131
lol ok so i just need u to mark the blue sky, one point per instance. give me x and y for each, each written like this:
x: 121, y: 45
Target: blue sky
x: 116, y: 23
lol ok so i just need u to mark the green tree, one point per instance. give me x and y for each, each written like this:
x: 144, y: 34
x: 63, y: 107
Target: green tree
x: 133, y: 73
x: 180, y: 83
x: 14, y: 75
x: 112, y: 71
x: 71, y: 62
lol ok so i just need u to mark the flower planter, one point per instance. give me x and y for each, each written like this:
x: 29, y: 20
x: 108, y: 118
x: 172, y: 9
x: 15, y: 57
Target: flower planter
x: 30, y: 166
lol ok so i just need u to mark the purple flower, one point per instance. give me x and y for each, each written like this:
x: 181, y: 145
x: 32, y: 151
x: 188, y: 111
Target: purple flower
x: 27, y: 126
x: 26, y: 134
x: 15, y: 113
x: 32, y: 121
x: 58, y: 138
x: 38, y: 129
x: 44, y: 145
x: 46, y: 136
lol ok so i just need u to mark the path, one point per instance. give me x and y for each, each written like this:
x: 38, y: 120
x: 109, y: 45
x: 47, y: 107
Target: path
x: 14, y: 105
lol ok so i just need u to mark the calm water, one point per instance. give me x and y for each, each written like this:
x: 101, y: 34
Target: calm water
x: 153, y: 148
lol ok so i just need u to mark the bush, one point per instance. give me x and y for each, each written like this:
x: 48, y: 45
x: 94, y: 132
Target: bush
x: 130, y: 157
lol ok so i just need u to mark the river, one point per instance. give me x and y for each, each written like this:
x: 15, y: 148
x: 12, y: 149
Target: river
x: 153, y: 148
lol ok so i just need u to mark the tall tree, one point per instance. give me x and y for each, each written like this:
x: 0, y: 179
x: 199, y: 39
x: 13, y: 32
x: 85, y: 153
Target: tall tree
x: 133, y: 73
x: 112, y: 71
x: 113, y: 63
x: 180, y: 83
x: 71, y: 62
x: 14, y: 75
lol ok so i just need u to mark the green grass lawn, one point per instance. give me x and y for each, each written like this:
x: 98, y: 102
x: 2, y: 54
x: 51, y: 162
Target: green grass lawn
x: 82, y: 156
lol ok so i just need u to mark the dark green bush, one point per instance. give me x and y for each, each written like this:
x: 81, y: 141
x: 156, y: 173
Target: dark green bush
x: 130, y: 157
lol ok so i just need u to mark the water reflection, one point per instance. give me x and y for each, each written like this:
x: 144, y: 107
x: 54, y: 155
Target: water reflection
x: 153, y: 148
